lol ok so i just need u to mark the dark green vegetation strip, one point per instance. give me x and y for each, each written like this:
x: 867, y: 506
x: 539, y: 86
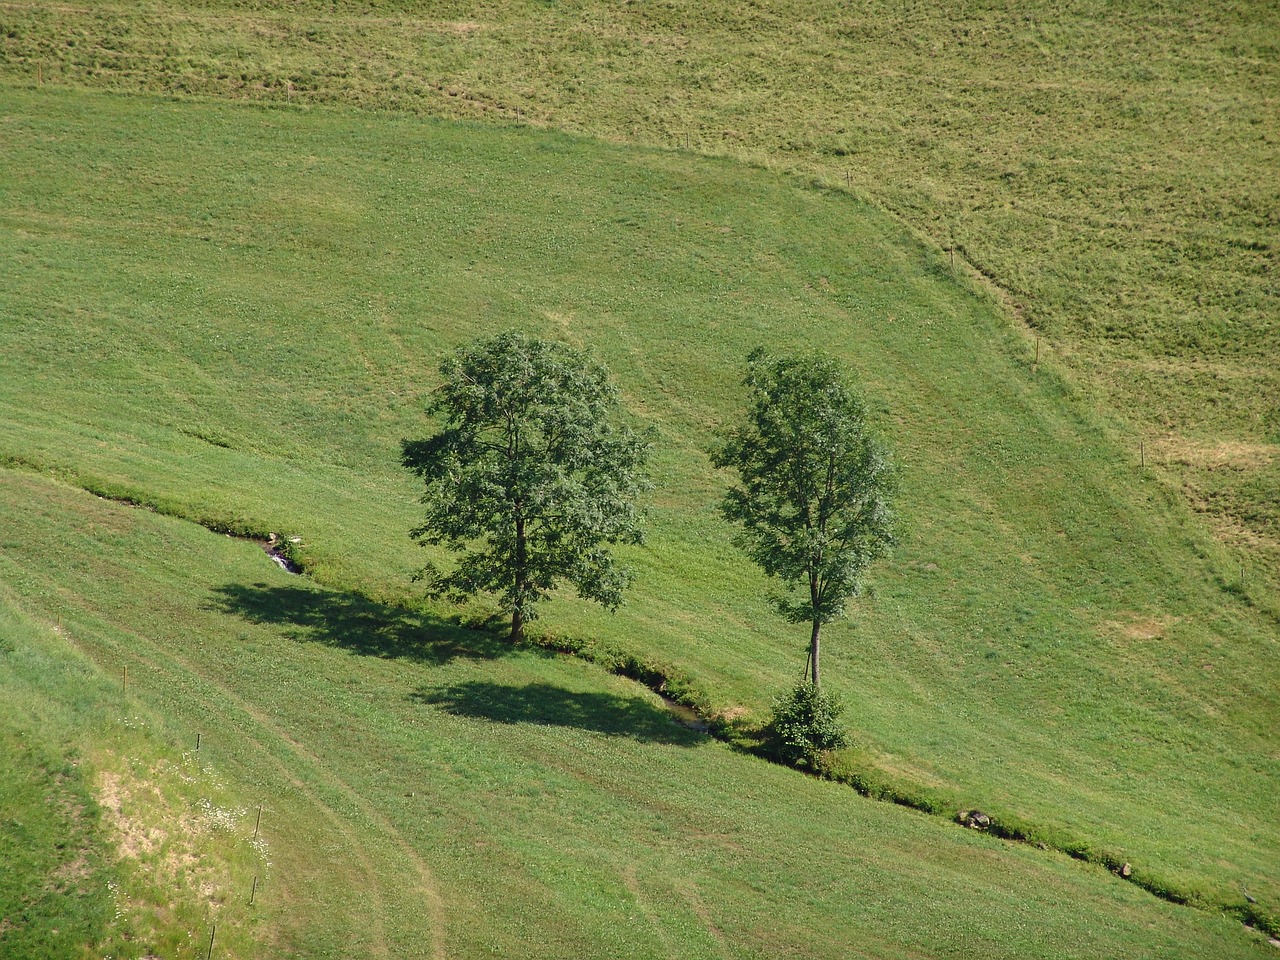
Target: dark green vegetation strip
x: 1114, y: 170
x: 54, y: 874
x: 431, y: 792
x: 233, y: 314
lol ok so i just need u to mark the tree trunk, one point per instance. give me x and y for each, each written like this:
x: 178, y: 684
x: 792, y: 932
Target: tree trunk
x: 522, y: 560
x: 813, y: 651
x: 815, y: 596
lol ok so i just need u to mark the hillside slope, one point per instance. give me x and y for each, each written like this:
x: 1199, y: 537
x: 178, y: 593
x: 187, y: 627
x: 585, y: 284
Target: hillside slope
x: 234, y: 314
x: 1112, y: 170
x: 427, y: 792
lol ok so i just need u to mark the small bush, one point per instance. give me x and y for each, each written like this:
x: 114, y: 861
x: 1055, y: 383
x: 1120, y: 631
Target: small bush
x: 1262, y: 919
x: 805, y: 724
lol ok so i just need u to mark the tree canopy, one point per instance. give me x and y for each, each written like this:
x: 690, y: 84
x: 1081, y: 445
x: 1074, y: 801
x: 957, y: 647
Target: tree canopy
x: 530, y: 477
x: 814, y: 487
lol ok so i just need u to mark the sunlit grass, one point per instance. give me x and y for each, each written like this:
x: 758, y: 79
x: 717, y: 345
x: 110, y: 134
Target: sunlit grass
x: 245, y: 342
x: 1114, y: 170
x: 117, y: 842
x: 428, y: 791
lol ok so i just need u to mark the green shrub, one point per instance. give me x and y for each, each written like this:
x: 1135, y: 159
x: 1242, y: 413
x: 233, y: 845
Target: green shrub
x: 805, y: 724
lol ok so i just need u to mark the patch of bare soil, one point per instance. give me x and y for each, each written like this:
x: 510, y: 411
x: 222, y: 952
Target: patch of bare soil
x: 134, y: 838
x: 149, y: 830
x: 1137, y: 626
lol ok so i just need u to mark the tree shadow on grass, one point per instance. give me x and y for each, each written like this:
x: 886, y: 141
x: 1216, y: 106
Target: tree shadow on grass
x: 355, y: 623
x: 543, y: 703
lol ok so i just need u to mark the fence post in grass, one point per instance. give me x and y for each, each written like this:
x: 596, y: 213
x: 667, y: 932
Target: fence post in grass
x: 124, y: 683
x: 848, y: 179
x: 686, y: 140
x: 212, y: 933
x: 259, y: 823
x: 254, y: 891
x: 1142, y: 453
x: 197, y: 743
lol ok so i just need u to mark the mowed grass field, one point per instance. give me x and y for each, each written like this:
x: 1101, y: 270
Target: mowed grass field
x: 233, y: 314
x: 1111, y: 169
x: 428, y: 792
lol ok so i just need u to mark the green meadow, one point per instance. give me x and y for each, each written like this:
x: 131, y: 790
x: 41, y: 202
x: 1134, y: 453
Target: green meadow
x: 117, y: 842
x: 232, y: 315
x: 428, y: 791
x: 236, y: 239
x: 1108, y: 170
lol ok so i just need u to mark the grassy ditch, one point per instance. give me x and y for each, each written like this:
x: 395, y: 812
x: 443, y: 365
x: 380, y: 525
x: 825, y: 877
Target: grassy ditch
x: 854, y: 768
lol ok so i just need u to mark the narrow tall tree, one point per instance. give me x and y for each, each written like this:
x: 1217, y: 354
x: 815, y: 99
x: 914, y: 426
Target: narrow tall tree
x: 814, y: 487
x: 530, y: 476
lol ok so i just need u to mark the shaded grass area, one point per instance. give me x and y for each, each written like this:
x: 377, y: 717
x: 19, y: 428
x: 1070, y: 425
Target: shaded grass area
x: 54, y: 899
x: 347, y: 620
x: 1113, y: 170
x: 471, y: 806
x: 547, y: 704
x: 368, y: 628
x: 1057, y: 641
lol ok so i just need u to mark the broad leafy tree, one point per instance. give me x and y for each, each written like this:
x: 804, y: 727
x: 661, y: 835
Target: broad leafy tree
x: 813, y: 489
x: 530, y: 476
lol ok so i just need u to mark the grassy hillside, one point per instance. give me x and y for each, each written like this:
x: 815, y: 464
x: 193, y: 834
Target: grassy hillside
x: 1113, y: 170
x: 234, y: 313
x: 116, y: 842
x: 428, y: 792
x: 55, y: 874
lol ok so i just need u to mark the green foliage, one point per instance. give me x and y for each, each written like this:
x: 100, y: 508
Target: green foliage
x: 530, y: 478
x: 814, y: 486
x: 806, y: 724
